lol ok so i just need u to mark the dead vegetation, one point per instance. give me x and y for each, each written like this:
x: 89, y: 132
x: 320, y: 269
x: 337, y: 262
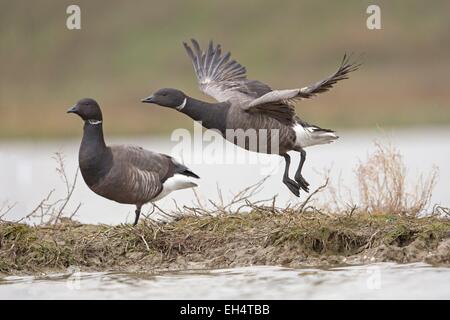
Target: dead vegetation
x: 263, y: 236
x: 384, y: 188
x: 389, y: 224
x: 49, y: 210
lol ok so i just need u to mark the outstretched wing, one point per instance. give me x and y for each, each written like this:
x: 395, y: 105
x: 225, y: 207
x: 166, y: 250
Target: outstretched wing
x: 220, y: 77
x: 286, y: 96
x: 326, y: 84
x: 283, y: 112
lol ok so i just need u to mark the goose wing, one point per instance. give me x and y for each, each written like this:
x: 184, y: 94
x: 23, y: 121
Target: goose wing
x: 138, y: 172
x: 220, y: 77
x: 283, y: 112
x: 286, y: 96
x: 142, y: 159
x: 278, y: 104
x: 152, y: 162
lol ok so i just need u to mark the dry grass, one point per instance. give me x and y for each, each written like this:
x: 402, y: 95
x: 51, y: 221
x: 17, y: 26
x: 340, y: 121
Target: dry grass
x: 384, y: 188
x: 49, y: 210
x: 263, y: 236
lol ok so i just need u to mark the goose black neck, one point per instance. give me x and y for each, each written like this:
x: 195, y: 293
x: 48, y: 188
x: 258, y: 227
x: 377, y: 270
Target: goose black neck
x: 212, y: 115
x: 93, y: 136
x: 95, y: 158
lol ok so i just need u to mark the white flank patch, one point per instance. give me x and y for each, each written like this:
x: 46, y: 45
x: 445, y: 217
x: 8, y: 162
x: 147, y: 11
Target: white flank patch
x: 181, y: 106
x: 177, y: 182
x: 305, y: 137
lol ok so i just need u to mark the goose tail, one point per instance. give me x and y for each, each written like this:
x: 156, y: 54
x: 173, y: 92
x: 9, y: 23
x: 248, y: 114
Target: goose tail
x: 324, y: 137
x: 189, y: 173
x: 176, y: 182
x: 183, y: 170
x: 311, y: 135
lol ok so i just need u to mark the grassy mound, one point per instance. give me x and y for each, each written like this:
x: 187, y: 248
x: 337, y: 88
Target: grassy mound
x: 260, y: 237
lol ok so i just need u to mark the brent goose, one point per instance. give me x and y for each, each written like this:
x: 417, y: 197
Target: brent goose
x: 248, y: 104
x: 126, y: 174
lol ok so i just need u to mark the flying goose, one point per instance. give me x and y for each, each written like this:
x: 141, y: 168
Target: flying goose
x: 126, y: 174
x: 245, y: 105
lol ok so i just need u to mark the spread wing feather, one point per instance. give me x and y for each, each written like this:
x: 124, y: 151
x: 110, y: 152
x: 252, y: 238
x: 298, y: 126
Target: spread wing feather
x: 286, y: 96
x: 224, y: 79
x: 326, y: 84
x: 220, y: 77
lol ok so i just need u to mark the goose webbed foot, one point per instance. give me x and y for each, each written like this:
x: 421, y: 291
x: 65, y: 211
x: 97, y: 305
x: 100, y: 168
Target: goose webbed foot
x: 293, y: 186
x: 302, y: 183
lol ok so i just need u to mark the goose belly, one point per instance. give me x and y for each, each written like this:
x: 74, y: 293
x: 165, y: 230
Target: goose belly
x: 128, y: 186
x: 259, y: 133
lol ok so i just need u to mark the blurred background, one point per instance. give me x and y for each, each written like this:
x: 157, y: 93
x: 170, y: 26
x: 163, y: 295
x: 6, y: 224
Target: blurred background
x: 125, y: 51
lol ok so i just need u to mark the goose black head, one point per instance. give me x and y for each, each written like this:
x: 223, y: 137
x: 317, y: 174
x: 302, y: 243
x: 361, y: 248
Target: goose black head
x: 88, y: 110
x: 168, y: 97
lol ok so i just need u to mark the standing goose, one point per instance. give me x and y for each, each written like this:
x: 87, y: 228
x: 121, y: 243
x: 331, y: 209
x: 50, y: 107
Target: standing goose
x: 126, y: 174
x: 245, y: 105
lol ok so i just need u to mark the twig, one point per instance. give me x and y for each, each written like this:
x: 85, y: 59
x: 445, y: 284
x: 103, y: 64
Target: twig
x: 5, y: 209
x: 51, y: 212
x: 319, y: 189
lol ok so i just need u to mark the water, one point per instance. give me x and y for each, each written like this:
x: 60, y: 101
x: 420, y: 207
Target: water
x: 374, y: 281
x: 28, y: 171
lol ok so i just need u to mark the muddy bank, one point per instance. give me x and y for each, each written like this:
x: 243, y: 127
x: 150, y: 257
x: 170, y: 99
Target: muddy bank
x: 256, y: 238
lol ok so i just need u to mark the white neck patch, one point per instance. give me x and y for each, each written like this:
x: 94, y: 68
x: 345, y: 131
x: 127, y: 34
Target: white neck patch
x: 94, y: 122
x: 181, y: 106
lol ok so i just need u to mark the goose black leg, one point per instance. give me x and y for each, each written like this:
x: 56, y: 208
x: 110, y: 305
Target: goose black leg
x: 291, y: 184
x: 138, y: 213
x: 298, y: 175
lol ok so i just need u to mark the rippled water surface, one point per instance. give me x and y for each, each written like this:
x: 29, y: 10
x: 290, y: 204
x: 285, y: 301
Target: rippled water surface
x: 374, y: 281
